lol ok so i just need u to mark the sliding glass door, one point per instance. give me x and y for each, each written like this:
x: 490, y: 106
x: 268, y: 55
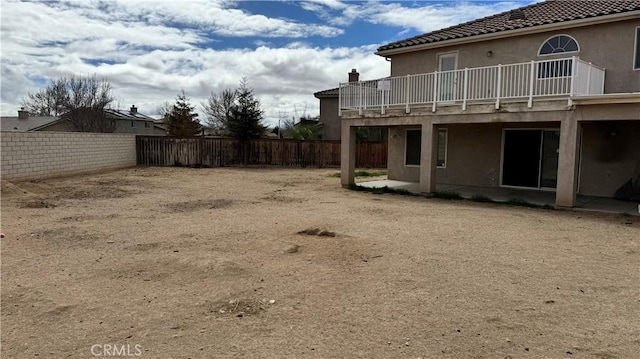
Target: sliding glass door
x: 530, y: 158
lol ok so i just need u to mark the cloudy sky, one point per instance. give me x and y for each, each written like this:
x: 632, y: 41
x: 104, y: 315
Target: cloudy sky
x: 151, y: 49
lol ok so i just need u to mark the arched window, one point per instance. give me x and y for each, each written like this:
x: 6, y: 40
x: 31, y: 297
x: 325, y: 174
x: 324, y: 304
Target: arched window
x: 558, y: 44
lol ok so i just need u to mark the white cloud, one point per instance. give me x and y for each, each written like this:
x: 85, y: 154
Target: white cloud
x: 422, y: 16
x: 150, y: 50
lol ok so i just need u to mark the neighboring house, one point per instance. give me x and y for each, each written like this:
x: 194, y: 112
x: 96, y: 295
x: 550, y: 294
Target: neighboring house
x: 546, y: 97
x: 330, y: 118
x: 127, y: 121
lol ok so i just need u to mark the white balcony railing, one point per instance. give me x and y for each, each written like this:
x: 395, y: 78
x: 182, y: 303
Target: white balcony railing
x: 514, y: 82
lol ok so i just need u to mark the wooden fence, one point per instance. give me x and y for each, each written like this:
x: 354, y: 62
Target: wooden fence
x: 221, y: 152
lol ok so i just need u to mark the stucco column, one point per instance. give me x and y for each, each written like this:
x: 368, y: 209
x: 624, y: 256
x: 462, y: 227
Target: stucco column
x: 428, y: 158
x: 347, y: 154
x: 567, y: 185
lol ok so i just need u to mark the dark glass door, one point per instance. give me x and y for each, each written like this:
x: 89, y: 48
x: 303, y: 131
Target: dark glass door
x: 549, y: 161
x: 521, y: 158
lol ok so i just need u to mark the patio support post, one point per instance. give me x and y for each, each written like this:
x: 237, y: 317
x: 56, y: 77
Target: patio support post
x: 347, y: 154
x: 428, y: 157
x: 568, y: 157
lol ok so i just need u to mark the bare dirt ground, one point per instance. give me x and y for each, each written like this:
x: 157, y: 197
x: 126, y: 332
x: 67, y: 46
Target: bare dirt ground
x: 208, y: 263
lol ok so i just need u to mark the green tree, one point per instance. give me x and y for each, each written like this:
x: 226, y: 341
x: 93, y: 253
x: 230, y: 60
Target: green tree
x: 245, y: 117
x: 182, y: 121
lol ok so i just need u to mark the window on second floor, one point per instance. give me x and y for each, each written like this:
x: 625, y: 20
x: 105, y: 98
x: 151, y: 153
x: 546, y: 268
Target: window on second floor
x: 147, y: 124
x: 559, y: 44
x: 636, y: 59
x: 133, y: 124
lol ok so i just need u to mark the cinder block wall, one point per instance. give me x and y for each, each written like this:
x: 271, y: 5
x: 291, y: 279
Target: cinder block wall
x: 31, y: 155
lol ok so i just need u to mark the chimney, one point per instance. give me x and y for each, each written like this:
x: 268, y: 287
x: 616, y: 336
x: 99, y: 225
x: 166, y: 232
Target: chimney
x: 23, y: 114
x: 354, y: 76
x: 133, y: 109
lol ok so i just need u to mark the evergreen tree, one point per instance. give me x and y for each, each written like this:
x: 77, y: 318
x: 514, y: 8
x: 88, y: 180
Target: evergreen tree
x: 182, y: 121
x: 245, y: 118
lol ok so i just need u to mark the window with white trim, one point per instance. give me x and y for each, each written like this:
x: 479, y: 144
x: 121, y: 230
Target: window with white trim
x: 559, y: 44
x: 442, y: 148
x: 413, y: 145
x: 636, y: 59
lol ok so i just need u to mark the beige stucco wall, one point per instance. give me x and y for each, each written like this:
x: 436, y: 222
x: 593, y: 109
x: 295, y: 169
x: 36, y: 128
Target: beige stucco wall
x: 59, y: 127
x: 329, y: 117
x: 124, y: 126
x: 30, y: 155
x: 610, y: 156
x: 606, y: 45
x: 473, y: 153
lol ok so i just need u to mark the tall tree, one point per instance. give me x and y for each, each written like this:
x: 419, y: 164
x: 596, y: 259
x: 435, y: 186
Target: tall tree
x: 182, y: 121
x: 79, y: 99
x: 246, y: 116
x: 218, y: 108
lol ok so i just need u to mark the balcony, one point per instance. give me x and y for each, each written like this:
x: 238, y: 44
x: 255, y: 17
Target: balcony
x: 522, y: 82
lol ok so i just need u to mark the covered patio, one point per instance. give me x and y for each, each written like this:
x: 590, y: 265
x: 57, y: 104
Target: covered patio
x: 502, y: 194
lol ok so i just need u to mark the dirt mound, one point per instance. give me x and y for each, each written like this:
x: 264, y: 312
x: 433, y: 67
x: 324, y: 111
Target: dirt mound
x: 317, y: 232
x: 103, y: 192
x: 10, y: 189
x: 38, y: 204
x: 241, y: 307
x: 189, y: 206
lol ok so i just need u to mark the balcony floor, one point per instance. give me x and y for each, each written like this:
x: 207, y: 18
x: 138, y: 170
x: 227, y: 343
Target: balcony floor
x: 503, y: 194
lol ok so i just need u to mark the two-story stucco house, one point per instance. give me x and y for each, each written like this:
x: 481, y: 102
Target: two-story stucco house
x: 543, y: 97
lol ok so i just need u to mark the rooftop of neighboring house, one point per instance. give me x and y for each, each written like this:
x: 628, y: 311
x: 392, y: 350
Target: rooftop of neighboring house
x: 28, y: 123
x: 528, y: 17
x: 130, y: 114
x: 327, y: 93
x: 25, y: 122
x: 354, y: 76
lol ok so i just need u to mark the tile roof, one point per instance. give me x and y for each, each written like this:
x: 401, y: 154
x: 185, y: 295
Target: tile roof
x: 327, y: 93
x: 542, y: 13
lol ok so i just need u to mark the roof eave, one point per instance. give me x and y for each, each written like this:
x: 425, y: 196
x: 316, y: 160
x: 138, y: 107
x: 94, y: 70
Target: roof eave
x: 516, y: 32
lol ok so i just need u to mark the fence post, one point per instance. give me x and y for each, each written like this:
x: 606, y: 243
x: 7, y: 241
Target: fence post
x: 531, y: 82
x: 435, y: 91
x: 589, y: 79
x: 406, y: 93
x: 498, y: 86
x: 574, y: 67
x: 339, y: 100
x: 360, y: 99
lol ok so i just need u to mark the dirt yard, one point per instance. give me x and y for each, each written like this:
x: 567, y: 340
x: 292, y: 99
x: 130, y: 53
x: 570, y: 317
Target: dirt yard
x: 208, y: 263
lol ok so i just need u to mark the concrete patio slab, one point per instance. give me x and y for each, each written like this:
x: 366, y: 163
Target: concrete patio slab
x: 503, y: 194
